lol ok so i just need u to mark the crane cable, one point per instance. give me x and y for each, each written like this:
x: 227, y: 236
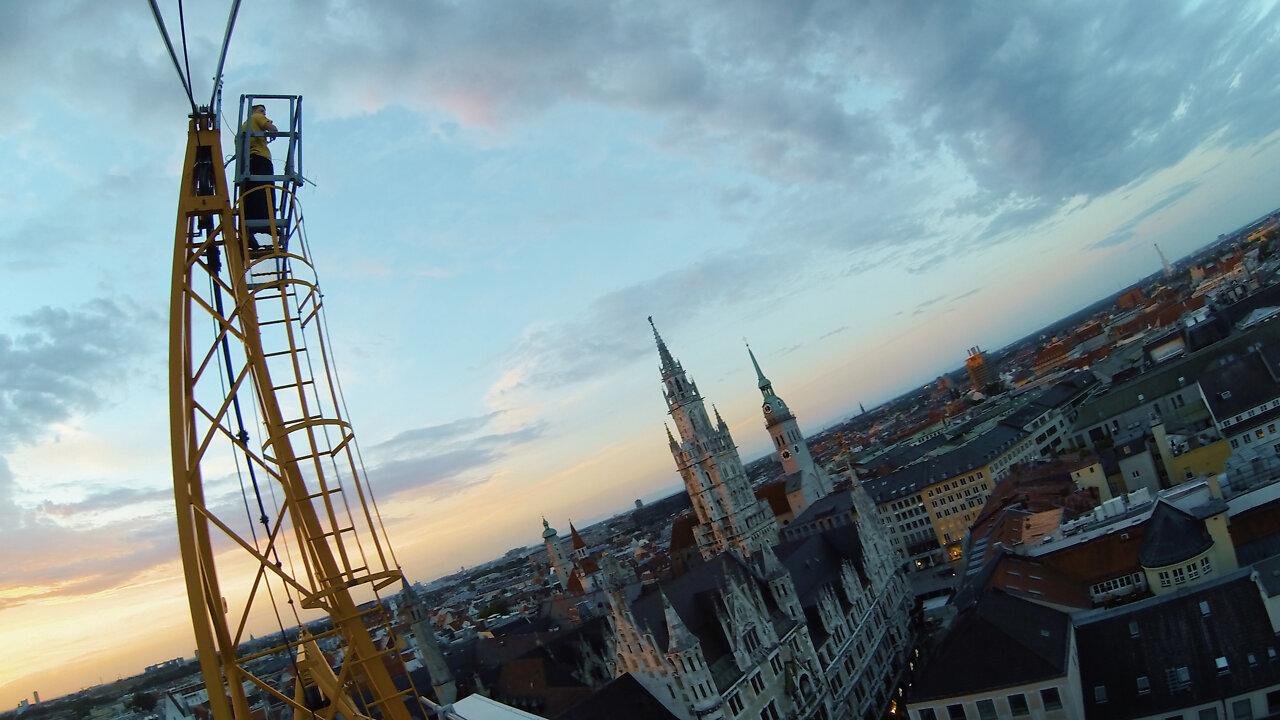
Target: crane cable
x: 222, y: 57
x: 184, y: 79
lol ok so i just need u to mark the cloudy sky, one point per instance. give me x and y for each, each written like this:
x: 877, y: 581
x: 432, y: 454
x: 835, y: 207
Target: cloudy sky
x: 502, y: 192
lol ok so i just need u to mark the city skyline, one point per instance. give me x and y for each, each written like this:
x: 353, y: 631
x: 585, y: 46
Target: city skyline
x: 501, y: 195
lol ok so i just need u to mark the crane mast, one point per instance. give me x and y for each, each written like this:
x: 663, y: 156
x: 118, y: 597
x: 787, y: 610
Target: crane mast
x: 303, y: 539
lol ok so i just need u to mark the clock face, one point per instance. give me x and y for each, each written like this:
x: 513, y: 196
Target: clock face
x: 786, y: 454
x: 768, y: 409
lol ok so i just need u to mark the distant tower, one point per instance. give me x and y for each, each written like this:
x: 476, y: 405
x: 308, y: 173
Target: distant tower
x: 789, y: 444
x: 1168, y: 269
x: 424, y: 640
x: 555, y: 551
x: 729, y: 515
x: 979, y: 373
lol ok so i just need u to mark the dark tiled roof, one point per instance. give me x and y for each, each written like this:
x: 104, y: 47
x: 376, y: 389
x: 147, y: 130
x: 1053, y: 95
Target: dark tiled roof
x: 1164, y: 379
x: 998, y: 642
x: 622, y: 698
x: 837, y: 503
x: 815, y: 561
x: 1158, y: 636
x: 775, y: 493
x: 1172, y: 536
x: 1236, y: 386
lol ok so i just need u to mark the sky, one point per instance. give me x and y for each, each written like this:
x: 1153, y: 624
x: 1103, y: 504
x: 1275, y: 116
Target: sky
x: 499, y: 195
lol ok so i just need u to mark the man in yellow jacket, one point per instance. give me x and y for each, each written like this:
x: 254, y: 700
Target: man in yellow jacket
x: 258, y: 203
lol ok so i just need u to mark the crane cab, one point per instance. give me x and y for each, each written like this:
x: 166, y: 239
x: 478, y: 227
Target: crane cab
x: 267, y: 173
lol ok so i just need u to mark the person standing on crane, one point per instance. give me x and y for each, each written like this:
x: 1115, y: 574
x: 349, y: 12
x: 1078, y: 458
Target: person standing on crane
x: 258, y: 203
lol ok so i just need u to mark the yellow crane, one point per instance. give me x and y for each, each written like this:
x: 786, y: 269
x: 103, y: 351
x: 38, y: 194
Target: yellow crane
x: 303, y: 541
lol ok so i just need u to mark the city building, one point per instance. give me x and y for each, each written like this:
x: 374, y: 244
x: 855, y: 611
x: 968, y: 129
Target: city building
x: 979, y: 374
x: 817, y: 626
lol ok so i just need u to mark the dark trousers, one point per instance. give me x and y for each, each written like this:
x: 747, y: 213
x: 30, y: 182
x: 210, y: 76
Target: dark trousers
x: 257, y: 203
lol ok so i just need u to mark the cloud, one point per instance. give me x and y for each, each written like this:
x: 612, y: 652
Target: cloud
x: 66, y: 361
x: 1128, y: 230
x: 47, y: 559
x: 610, y: 332
x: 443, y: 459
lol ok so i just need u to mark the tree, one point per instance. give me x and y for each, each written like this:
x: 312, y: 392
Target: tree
x: 144, y: 701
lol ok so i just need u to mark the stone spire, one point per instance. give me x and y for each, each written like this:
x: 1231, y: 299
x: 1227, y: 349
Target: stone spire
x: 668, y: 362
x: 679, y: 638
x: 765, y: 385
x: 729, y: 515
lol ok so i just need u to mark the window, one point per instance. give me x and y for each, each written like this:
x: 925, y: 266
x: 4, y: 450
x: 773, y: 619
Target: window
x: 775, y: 662
x: 757, y: 683
x: 1273, y: 702
x: 1220, y: 662
x: 1235, y: 443
x: 1164, y: 578
x: 1144, y: 685
x: 1210, y: 713
x: 1051, y: 699
x: 987, y: 710
x: 1242, y: 709
x: 928, y: 714
x: 735, y: 703
x: 1100, y: 694
x: 956, y: 712
x: 1204, y: 608
x: 1133, y: 629
x: 1018, y: 704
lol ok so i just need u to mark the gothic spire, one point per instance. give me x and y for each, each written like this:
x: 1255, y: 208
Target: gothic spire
x: 764, y: 381
x: 668, y: 362
x: 679, y: 638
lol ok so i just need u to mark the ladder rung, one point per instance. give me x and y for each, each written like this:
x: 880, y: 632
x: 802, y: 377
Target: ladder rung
x: 322, y: 493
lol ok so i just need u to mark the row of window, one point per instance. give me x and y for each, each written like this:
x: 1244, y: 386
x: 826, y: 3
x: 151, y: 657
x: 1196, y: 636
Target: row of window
x: 948, y: 487
x: 1049, y: 697
x: 1258, y: 433
x: 1114, y: 584
x: 1245, y: 415
x: 1191, y: 571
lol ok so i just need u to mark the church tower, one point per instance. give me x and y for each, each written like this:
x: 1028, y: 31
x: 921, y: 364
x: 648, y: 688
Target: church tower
x: 555, y: 552
x: 729, y: 515
x: 428, y: 650
x: 789, y: 443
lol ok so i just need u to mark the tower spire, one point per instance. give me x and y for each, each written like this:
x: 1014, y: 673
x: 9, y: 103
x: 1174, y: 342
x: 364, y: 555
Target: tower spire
x: 1168, y: 269
x: 764, y: 381
x: 668, y: 362
x: 679, y: 638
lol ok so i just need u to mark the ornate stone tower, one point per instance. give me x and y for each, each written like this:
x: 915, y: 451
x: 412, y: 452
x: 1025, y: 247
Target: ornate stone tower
x: 555, y: 552
x: 729, y: 515
x: 428, y: 650
x: 789, y: 442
